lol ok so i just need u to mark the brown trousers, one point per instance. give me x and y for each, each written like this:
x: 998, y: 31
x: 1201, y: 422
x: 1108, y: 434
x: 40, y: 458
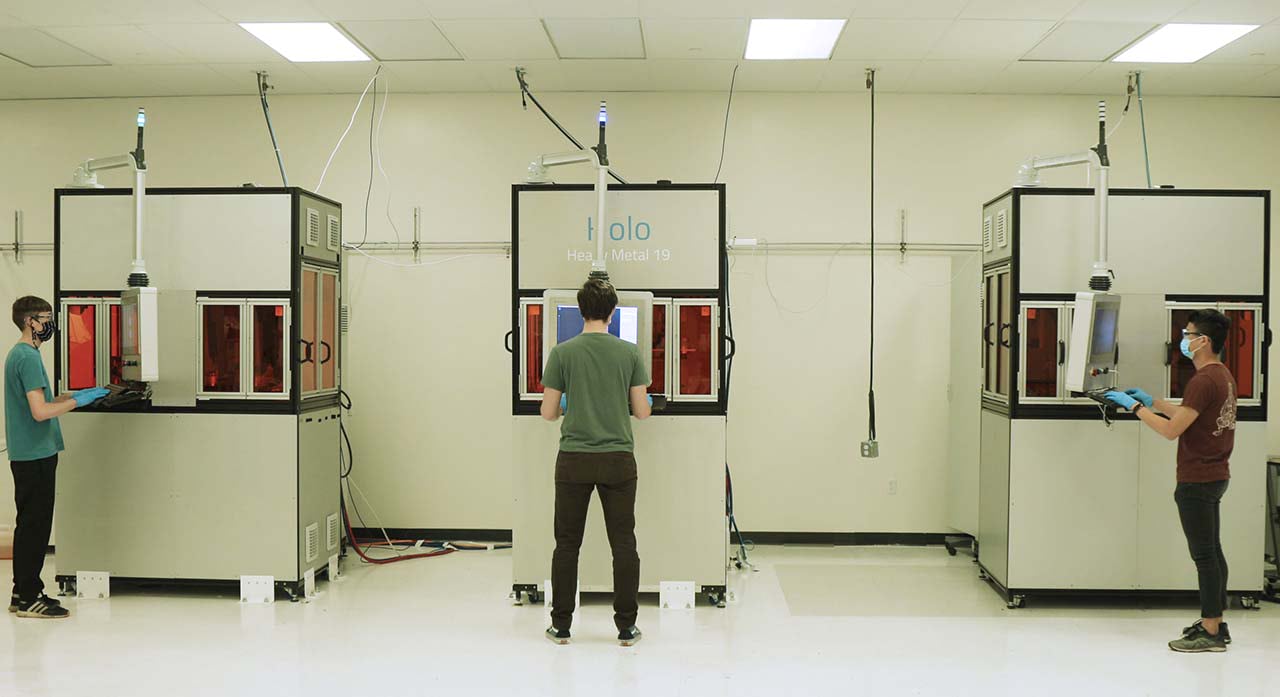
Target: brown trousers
x: 613, y: 475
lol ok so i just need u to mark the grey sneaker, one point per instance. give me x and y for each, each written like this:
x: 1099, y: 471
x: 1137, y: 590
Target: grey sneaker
x: 1199, y: 641
x: 1222, y: 630
x: 630, y: 637
x: 558, y: 636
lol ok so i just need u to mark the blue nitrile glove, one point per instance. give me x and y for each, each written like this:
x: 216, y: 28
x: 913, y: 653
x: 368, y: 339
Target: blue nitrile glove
x: 564, y: 403
x: 1121, y: 400
x: 84, y: 398
x: 1141, y: 396
x: 650, y: 398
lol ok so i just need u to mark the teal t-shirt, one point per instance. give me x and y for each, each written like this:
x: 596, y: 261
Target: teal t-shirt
x: 597, y: 372
x: 27, y: 438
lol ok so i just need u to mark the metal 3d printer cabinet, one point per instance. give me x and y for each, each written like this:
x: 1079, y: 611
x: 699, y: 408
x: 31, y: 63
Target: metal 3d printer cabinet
x: 231, y: 466
x: 1069, y: 504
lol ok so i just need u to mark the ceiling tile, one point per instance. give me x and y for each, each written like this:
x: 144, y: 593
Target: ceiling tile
x: 702, y: 9
x: 800, y: 9
x: 891, y: 76
x: 122, y: 44
x: 500, y: 39
x: 954, y: 77
x: 1197, y: 79
x: 1231, y: 12
x: 781, y: 76
x: 283, y: 76
x: 274, y: 11
x: 910, y: 9
x: 596, y: 38
x: 346, y: 77
x: 607, y: 75
x: 593, y: 9
x: 986, y: 39
x: 340, y: 10
x: 481, y: 9
x: 1262, y: 45
x: 38, y: 49
x: 163, y: 12
x: 691, y: 75
x: 1022, y: 9
x: 435, y: 76
x: 1129, y: 10
x: 1087, y: 41
x: 890, y: 39
x: 403, y: 40
x: 542, y: 75
x: 182, y: 80
x: 1039, y: 77
x: 45, y: 13
x: 10, y: 64
x: 211, y: 43
x: 52, y: 83
x: 695, y: 39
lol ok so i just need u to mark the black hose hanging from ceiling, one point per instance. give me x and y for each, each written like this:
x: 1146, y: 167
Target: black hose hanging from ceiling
x: 524, y: 92
x: 871, y: 352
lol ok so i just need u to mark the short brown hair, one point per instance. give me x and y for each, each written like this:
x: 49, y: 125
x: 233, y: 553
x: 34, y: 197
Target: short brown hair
x: 596, y: 300
x: 28, y: 306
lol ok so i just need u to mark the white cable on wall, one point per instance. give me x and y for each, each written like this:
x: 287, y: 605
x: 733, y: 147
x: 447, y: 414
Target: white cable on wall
x: 350, y: 123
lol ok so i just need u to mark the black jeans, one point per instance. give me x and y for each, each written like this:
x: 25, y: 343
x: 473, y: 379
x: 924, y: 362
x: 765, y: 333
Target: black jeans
x: 33, y: 487
x: 613, y: 475
x: 1199, y: 507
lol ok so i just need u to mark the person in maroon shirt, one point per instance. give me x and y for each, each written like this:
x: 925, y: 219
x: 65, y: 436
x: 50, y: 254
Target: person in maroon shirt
x: 1205, y: 426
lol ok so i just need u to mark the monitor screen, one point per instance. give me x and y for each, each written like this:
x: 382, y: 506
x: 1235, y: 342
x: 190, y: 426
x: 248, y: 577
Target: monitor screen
x: 625, y: 324
x: 1104, y: 329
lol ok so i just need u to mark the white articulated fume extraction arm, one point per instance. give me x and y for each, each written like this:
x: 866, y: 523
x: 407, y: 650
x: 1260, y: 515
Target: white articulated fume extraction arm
x: 1096, y: 158
x: 597, y: 155
x: 139, y: 302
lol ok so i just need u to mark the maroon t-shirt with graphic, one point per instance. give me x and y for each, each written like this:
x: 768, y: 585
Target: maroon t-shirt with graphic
x: 1205, y: 447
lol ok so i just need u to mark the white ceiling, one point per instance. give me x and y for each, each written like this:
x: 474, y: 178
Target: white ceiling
x: 92, y: 48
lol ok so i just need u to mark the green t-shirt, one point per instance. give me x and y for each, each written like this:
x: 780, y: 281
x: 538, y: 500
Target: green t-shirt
x: 27, y: 438
x: 597, y: 372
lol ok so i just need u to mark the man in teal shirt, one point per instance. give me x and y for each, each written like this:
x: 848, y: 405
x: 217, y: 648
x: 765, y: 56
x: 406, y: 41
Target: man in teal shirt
x: 34, y: 440
x: 604, y: 382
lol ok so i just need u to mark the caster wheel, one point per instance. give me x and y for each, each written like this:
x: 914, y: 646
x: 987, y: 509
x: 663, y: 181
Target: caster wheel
x: 982, y: 576
x: 951, y: 550
x: 1016, y: 602
x: 1249, y: 602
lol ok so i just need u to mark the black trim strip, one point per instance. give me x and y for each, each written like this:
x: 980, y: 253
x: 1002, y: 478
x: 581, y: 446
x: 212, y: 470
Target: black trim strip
x: 1032, y: 298
x: 847, y: 539
x: 437, y: 534
x: 246, y: 294
x: 199, y: 191
x: 1074, y: 191
x: 1215, y: 299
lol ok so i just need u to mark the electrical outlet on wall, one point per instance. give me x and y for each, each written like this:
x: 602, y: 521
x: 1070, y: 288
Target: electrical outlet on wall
x: 870, y: 448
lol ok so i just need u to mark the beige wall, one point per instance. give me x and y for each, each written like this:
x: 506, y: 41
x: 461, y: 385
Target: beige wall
x: 426, y: 367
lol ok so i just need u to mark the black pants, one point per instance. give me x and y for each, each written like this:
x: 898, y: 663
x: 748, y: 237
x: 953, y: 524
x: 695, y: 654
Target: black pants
x: 1199, y: 507
x: 613, y: 475
x: 33, y: 486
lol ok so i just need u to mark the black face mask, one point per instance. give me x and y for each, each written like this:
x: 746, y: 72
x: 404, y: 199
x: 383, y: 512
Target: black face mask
x: 46, y: 333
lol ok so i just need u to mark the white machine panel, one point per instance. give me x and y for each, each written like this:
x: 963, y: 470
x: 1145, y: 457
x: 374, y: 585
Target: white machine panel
x: 1153, y: 240
x: 681, y: 528
x: 238, y: 505
x: 197, y: 241
x: 664, y: 238
x: 1164, y: 562
x: 1095, y: 332
x: 1072, y: 492
x: 993, y: 495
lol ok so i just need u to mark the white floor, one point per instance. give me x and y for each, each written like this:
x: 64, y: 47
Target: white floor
x: 839, y: 621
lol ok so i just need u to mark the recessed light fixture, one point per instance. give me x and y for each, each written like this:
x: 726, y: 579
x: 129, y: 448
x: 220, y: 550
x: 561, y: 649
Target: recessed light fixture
x: 1183, y: 43
x: 793, y: 39
x: 306, y: 42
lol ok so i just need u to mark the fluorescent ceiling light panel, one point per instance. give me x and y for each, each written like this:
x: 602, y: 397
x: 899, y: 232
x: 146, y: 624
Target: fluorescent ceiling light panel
x: 1183, y: 43
x: 793, y: 39
x: 306, y: 42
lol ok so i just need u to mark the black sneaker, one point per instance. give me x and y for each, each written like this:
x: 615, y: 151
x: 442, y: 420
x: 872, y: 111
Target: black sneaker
x: 558, y: 636
x: 41, y: 609
x: 1222, y: 630
x: 1199, y: 641
x: 13, y: 602
x: 630, y: 637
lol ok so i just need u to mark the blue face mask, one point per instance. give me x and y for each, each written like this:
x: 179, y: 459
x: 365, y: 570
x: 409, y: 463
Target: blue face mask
x: 1186, y: 348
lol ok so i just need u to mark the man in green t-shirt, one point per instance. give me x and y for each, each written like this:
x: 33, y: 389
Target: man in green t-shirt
x: 34, y: 439
x: 598, y: 382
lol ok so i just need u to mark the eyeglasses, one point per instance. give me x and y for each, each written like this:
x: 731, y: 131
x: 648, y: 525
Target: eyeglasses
x: 1186, y: 333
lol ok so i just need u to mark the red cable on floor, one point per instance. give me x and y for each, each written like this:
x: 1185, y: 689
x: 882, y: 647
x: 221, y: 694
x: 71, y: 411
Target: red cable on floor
x: 352, y: 536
